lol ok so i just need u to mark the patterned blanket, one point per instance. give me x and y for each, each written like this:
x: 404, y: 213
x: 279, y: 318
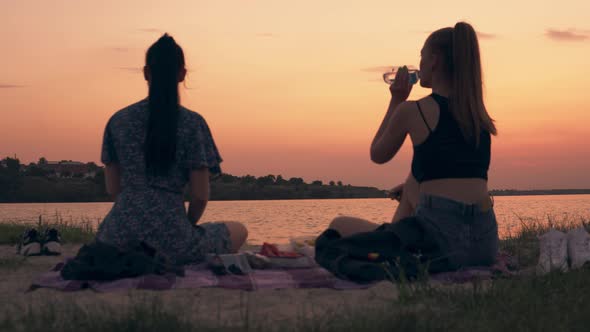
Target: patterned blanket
x: 197, y: 276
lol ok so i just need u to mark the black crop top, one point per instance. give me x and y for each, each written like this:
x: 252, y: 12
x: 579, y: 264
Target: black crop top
x: 446, y: 154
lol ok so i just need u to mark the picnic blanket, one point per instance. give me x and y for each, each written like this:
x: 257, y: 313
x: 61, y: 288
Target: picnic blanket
x: 198, y: 276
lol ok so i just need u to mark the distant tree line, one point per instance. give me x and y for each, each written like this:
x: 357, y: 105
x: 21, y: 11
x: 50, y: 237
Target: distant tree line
x: 231, y: 187
x: 69, y: 181
x: 40, y: 182
x: 36, y: 182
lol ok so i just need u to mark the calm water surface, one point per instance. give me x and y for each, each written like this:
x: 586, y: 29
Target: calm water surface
x: 276, y: 221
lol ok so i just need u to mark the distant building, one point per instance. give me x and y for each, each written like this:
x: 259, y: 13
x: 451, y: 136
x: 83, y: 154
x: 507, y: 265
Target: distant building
x: 4, y: 164
x: 66, y: 169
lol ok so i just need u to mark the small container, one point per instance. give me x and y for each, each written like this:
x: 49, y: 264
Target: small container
x: 389, y: 77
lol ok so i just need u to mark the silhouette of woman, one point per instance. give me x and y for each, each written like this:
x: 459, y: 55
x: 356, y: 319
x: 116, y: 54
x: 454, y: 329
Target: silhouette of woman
x: 151, y: 150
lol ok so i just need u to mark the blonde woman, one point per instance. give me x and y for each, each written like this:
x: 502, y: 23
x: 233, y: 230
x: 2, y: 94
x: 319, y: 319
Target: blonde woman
x: 446, y: 193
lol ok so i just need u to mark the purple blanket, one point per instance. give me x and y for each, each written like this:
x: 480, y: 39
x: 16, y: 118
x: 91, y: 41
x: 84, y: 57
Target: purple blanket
x: 197, y: 276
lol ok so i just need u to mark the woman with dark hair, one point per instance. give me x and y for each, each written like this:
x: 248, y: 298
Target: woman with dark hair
x: 152, y: 150
x: 445, y: 198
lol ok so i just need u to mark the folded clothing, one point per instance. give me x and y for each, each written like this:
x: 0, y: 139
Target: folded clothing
x: 392, y: 251
x: 101, y: 261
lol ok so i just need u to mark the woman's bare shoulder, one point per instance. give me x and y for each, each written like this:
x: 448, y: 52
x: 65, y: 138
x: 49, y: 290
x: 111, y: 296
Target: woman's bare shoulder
x: 422, y: 99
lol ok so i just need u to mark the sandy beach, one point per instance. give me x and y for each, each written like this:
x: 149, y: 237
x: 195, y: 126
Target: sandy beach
x: 528, y: 300
x: 213, y: 304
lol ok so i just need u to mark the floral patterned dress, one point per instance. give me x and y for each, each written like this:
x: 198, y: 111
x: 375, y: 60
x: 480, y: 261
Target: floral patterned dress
x: 151, y: 208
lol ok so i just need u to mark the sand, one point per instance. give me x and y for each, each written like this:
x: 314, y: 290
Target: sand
x: 207, y: 303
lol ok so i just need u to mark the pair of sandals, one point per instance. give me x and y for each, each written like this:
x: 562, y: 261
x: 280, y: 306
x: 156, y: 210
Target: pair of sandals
x: 32, y: 244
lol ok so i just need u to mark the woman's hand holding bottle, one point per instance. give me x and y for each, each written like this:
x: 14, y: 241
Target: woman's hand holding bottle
x: 401, y: 87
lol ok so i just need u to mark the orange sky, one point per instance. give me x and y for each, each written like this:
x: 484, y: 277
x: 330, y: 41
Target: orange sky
x: 291, y: 88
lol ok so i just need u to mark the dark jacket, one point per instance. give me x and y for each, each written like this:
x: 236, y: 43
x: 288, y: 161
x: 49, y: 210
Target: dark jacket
x: 390, y: 252
x: 101, y: 261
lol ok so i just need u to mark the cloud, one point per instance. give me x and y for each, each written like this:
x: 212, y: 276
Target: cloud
x: 151, y: 30
x: 377, y: 69
x: 266, y: 34
x: 120, y: 49
x: 381, y: 69
x: 569, y: 35
x: 485, y: 35
x: 11, y: 86
x: 131, y: 69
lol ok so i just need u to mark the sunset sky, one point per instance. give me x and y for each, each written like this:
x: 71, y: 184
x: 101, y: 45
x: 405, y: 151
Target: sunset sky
x: 294, y: 87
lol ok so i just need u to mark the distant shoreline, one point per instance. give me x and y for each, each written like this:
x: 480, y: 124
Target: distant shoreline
x: 70, y: 182
x: 540, y: 192
x: 493, y: 193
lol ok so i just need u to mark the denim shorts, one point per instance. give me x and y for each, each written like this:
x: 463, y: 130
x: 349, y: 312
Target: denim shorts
x: 451, y: 234
x: 464, y: 234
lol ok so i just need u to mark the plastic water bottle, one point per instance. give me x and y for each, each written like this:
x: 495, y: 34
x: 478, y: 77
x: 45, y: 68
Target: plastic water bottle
x: 389, y: 77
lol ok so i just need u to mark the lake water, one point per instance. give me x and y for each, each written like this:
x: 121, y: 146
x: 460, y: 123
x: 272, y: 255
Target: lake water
x: 278, y: 220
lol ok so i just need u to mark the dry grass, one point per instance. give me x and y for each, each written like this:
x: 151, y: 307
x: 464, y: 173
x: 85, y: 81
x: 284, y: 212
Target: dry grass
x: 553, y: 302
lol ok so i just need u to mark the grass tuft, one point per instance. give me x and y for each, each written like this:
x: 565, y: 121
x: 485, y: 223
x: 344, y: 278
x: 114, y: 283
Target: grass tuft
x: 67, y: 316
x: 552, y: 302
x: 79, y: 232
x: 524, y: 244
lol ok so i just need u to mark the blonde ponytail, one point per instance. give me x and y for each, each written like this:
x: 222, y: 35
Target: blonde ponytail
x: 461, y: 50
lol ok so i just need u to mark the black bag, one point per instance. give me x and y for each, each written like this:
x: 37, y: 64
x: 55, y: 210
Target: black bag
x: 101, y: 261
x: 386, y: 253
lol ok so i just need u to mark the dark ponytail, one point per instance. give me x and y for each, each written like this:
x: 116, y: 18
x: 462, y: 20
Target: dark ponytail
x: 164, y: 60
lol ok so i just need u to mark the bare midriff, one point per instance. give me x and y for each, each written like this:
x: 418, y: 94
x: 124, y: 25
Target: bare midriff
x: 470, y: 191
